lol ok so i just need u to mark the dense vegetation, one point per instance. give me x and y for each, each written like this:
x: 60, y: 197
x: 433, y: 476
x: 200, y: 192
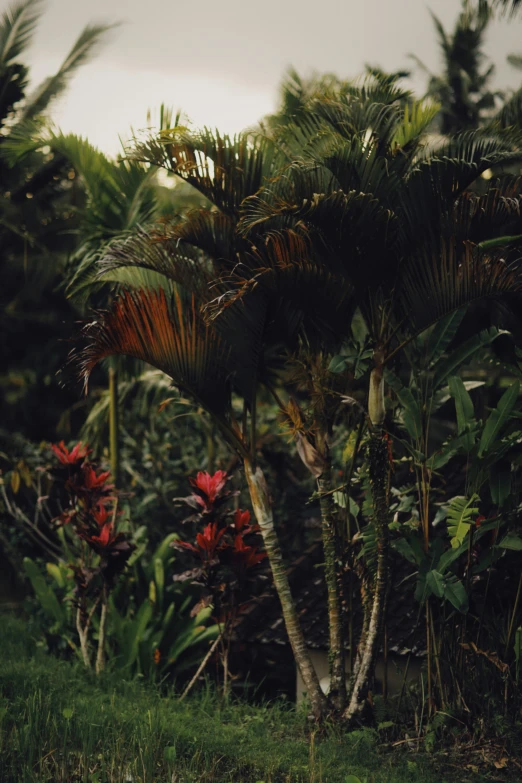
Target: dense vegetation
x: 320, y: 315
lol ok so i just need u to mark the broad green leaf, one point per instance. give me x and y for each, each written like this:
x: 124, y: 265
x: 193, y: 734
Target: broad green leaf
x: 443, y: 394
x: 463, y: 354
x: 339, y: 498
x: 436, y: 583
x: 57, y: 574
x: 338, y: 364
x: 159, y: 579
x: 404, y: 548
x: 167, y: 617
x: 411, y: 411
x: 359, y: 328
x: 135, y: 631
x: 463, y: 403
x: 50, y: 604
x: 450, y: 556
x: 442, y: 334
x: 498, y: 417
x: 448, y: 450
x: 499, y: 485
x: 164, y: 550
x: 354, y: 508
x: 511, y: 541
x: 455, y: 593
x: 460, y: 518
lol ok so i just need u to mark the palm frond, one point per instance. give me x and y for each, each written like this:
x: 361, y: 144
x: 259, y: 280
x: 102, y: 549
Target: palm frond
x: 509, y: 117
x: 224, y: 169
x: 441, y: 279
x: 504, y: 6
x: 17, y: 26
x: 83, y: 50
x: 142, y: 250
x: 304, y: 297
x: 170, y: 335
x: 211, y: 234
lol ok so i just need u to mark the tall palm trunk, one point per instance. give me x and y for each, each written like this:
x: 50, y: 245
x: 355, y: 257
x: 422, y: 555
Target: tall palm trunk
x: 378, y: 461
x: 263, y: 512
x: 337, y: 693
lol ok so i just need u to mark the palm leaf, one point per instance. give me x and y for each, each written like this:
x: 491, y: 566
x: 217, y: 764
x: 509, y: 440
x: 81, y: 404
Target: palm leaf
x: 438, y: 280
x: 17, y: 27
x: 82, y: 52
x: 510, y: 114
x: 143, y: 250
x: 171, y: 336
x: 224, y: 169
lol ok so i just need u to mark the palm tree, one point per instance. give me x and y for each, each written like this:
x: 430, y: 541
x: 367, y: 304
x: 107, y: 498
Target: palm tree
x: 164, y: 326
x: 505, y: 6
x: 37, y: 198
x: 395, y: 222
x: 462, y: 88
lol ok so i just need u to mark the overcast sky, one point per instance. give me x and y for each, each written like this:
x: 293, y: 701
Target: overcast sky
x: 221, y: 62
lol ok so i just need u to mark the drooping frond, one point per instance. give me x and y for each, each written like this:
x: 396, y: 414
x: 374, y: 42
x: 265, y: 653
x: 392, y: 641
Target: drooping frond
x: 304, y: 297
x: 121, y: 195
x: 488, y: 217
x: 17, y: 26
x: 82, y: 51
x: 504, y: 6
x: 509, y: 116
x: 211, y: 232
x: 169, y: 335
x: 438, y: 280
x: 179, y: 262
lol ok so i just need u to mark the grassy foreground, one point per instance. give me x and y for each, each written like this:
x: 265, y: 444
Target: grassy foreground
x: 58, y: 724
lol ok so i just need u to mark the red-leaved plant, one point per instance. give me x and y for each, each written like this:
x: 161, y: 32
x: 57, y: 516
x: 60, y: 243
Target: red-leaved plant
x: 90, y: 501
x: 225, y: 551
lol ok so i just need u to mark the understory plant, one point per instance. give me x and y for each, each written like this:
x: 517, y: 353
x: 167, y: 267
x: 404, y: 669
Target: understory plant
x: 226, y: 555
x: 100, y: 551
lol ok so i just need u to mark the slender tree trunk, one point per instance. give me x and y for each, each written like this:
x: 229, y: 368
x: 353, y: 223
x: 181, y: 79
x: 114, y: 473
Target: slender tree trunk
x: 201, y: 666
x: 100, y: 657
x: 114, y: 427
x: 263, y: 512
x: 378, y: 460
x: 83, y: 634
x: 337, y: 693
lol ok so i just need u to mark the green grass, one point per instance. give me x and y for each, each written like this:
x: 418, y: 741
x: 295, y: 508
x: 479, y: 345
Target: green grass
x: 58, y: 724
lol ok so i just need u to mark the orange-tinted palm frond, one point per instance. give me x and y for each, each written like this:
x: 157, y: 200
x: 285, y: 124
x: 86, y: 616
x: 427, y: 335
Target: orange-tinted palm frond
x: 169, y: 335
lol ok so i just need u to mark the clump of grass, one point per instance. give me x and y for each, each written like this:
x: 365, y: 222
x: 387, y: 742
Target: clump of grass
x: 59, y: 724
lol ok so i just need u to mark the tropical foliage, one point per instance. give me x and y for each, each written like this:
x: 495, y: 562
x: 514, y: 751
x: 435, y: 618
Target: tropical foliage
x: 359, y: 277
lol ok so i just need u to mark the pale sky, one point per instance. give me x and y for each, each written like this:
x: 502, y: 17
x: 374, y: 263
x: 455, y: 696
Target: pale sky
x: 221, y: 62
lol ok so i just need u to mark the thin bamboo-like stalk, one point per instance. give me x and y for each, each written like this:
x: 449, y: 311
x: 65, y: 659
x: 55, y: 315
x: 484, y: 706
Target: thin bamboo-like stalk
x: 114, y: 434
x: 513, y: 617
x: 201, y: 668
x: 100, y: 657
